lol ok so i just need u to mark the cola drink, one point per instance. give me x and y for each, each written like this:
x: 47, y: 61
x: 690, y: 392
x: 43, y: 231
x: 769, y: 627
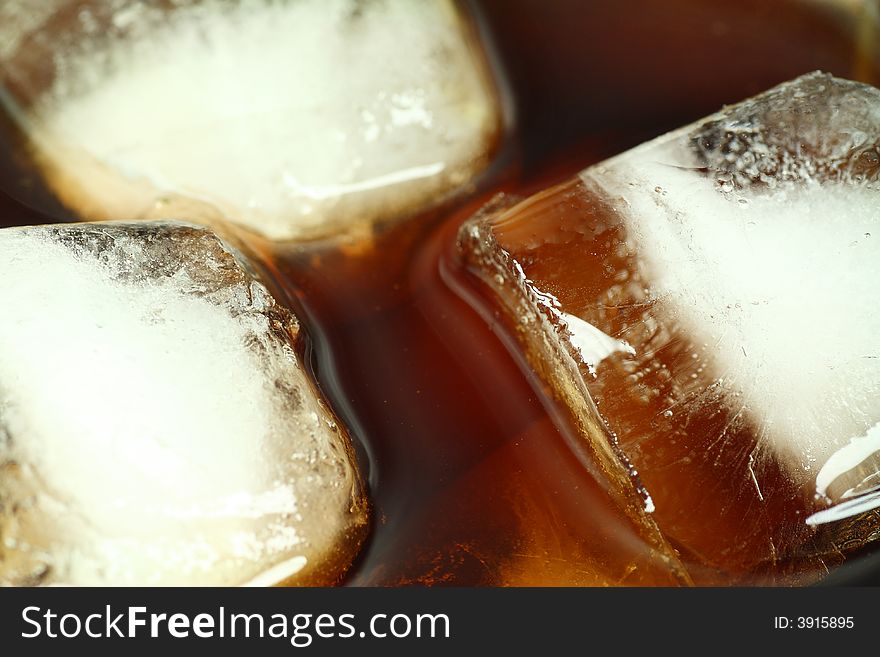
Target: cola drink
x: 473, y: 478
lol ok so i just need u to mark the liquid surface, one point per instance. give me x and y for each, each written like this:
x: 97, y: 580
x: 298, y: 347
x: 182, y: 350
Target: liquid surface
x: 472, y: 482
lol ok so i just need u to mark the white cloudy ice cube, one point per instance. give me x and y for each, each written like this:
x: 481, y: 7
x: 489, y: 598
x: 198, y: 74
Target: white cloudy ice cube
x: 706, y: 307
x: 758, y: 231
x: 298, y: 119
x: 156, y: 423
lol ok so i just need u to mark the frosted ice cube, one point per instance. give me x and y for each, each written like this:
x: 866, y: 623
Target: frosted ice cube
x: 156, y: 424
x: 714, y: 294
x: 297, y: 119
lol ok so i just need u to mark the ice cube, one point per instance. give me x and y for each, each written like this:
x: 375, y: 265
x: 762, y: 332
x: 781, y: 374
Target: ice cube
x: 156, y: 423
x: 711, y: 297
x: 296, y: 119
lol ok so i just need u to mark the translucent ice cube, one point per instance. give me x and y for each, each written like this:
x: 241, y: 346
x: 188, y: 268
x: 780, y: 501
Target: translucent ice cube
x: 297, y: 119
x: 156, y: 424
x: 711, y: 298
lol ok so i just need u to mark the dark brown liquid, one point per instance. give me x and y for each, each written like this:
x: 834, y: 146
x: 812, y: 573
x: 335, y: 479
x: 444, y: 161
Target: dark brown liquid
x: 471, y: 480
